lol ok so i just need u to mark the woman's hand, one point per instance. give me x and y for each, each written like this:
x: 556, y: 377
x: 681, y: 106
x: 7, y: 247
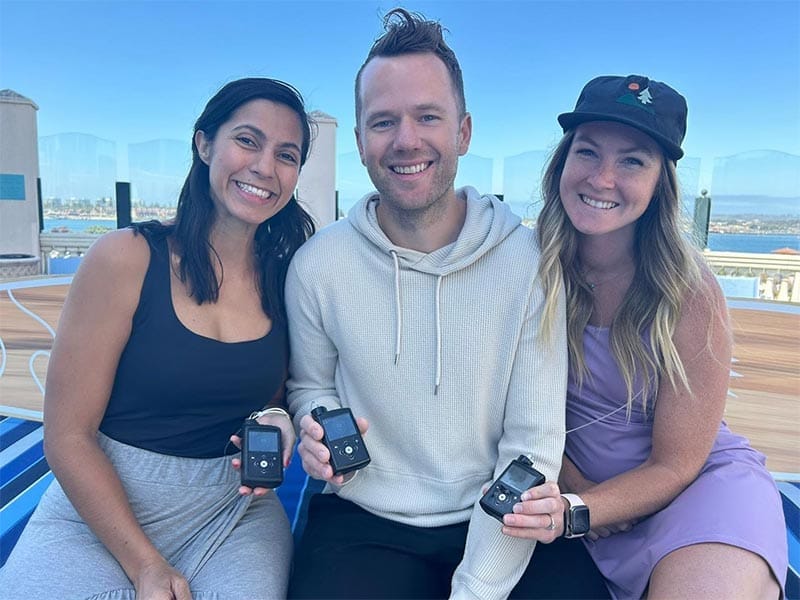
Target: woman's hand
x: 159, y: 581
x: 288, y: 437
x: 539, y: 516
x: 602, y: 532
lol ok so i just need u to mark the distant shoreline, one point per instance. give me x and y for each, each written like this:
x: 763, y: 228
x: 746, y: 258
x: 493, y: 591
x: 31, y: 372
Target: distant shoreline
x: 735, y: 224
x: 110, y: 218
x: 760, y: 242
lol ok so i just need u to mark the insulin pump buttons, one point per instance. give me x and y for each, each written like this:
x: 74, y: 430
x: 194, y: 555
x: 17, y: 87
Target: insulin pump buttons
x: 347, y: 450
x: 507, y: 489
x: 505, y: 496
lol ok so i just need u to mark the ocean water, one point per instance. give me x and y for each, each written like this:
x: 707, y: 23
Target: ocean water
x: 721, y: 242
x: 78, y: 225
x: 752, y: 242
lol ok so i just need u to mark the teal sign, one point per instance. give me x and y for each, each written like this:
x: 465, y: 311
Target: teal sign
x: 12, y: 187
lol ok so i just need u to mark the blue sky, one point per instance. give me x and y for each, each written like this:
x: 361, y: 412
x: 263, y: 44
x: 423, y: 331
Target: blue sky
x: 132, y: 71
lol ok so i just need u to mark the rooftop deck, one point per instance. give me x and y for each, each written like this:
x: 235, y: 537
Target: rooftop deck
x: 764, y: 401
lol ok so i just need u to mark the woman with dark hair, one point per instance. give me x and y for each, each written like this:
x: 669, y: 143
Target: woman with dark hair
x: 671, y: 502
x: 172, y: 334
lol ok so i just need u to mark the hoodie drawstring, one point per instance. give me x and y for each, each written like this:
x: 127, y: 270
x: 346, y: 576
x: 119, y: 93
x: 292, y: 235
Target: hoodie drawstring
x: 438, y: 336
x: 397, y: 306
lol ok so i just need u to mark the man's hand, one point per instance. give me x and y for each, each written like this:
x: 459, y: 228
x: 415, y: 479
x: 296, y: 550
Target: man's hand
x: 315, y: 455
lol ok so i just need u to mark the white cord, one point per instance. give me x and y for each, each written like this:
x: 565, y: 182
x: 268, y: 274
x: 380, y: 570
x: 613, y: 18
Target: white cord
x: 598, y: 419
x: 593, y: 421
x: 273, y: 410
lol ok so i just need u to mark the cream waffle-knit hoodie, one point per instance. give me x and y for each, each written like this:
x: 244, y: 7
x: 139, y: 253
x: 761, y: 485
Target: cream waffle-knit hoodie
x: 443, y: 354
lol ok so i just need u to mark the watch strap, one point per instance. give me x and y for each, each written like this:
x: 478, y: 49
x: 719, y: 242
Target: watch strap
x: 573, y: 499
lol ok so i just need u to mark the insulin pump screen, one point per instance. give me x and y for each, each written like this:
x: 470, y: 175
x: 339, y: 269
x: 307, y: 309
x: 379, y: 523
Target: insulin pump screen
x: 518, y: 478
x: 262, y: 441
x: 340, y: 426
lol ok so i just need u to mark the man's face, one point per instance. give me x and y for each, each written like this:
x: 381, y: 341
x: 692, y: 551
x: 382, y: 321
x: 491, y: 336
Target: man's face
x: 409, y: 133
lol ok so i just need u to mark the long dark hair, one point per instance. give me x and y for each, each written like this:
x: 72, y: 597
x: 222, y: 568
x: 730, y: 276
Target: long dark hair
x: 276, y: 240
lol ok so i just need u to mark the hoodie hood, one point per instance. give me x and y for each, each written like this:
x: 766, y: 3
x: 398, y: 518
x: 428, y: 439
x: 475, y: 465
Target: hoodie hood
x: 488, y: 222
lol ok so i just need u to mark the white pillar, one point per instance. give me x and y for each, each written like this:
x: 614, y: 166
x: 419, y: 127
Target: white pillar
x: 796, y: 287
x: 317, y: 185
x: 19, y: 171
x: 769, y: 289
x: 783, y: 290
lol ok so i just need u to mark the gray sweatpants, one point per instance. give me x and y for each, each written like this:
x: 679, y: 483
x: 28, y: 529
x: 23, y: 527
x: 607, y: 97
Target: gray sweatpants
x: 226, y: 545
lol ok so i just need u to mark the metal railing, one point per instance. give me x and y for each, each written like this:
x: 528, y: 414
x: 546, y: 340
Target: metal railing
x: 778, y: 275
x: 773, y: 276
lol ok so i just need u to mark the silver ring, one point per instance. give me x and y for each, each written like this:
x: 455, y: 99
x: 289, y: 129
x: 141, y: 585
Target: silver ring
x: 552, y: 524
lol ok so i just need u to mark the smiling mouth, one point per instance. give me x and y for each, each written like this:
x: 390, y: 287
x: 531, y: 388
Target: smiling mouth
x: 251, y: 189
x: 411, y: 169
x: 597, y: 203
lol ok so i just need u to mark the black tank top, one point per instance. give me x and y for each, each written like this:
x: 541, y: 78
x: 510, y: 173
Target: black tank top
x: 179, y: 393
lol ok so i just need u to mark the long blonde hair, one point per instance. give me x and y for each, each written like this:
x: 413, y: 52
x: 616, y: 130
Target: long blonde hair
x: 666, y: 270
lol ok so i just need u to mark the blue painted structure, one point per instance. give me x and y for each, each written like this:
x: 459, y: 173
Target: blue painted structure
x: 24, y: 475
x: 12, y: 186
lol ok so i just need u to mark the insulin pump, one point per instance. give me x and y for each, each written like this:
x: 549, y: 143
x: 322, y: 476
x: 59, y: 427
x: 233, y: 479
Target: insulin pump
x: 342, y: 438
x: 262, y: 460
x: 505, y: 492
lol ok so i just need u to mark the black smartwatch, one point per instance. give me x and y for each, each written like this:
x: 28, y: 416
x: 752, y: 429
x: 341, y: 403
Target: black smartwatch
x: 576, y: 517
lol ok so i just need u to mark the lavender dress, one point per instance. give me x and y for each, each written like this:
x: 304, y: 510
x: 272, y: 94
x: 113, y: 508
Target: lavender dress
x: 733, y: 501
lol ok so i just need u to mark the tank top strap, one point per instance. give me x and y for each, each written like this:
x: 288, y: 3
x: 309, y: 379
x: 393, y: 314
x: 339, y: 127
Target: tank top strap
x: 156, y: 294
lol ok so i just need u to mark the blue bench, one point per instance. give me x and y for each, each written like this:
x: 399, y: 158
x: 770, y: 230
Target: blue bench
x: 24, y: 476
x: 790, y: 495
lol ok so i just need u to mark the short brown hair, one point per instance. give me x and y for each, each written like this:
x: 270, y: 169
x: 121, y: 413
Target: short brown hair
x: 411, y: 33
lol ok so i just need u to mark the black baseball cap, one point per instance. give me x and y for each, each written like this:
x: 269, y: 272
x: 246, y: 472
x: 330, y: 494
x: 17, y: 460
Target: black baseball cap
x: 650, y: 106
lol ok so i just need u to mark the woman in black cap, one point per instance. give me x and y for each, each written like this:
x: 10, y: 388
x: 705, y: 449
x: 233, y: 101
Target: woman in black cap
x: 671, y: 502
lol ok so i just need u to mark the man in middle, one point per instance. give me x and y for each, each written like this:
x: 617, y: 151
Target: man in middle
x: 421, y: 313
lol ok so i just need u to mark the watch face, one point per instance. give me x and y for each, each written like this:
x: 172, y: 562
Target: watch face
x: 580, y: 520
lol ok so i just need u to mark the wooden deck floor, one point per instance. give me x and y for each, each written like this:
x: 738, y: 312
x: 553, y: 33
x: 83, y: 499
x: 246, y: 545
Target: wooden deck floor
x: 765, y: 385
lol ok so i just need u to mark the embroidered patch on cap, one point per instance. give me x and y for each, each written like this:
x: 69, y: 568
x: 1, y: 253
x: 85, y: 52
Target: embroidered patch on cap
x: 642, y: 99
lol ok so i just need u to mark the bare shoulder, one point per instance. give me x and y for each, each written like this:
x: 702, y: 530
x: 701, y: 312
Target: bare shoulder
x: 707, y: 300
x: 704, y: 315
x: 120, y: 249
x: 113, y: 268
